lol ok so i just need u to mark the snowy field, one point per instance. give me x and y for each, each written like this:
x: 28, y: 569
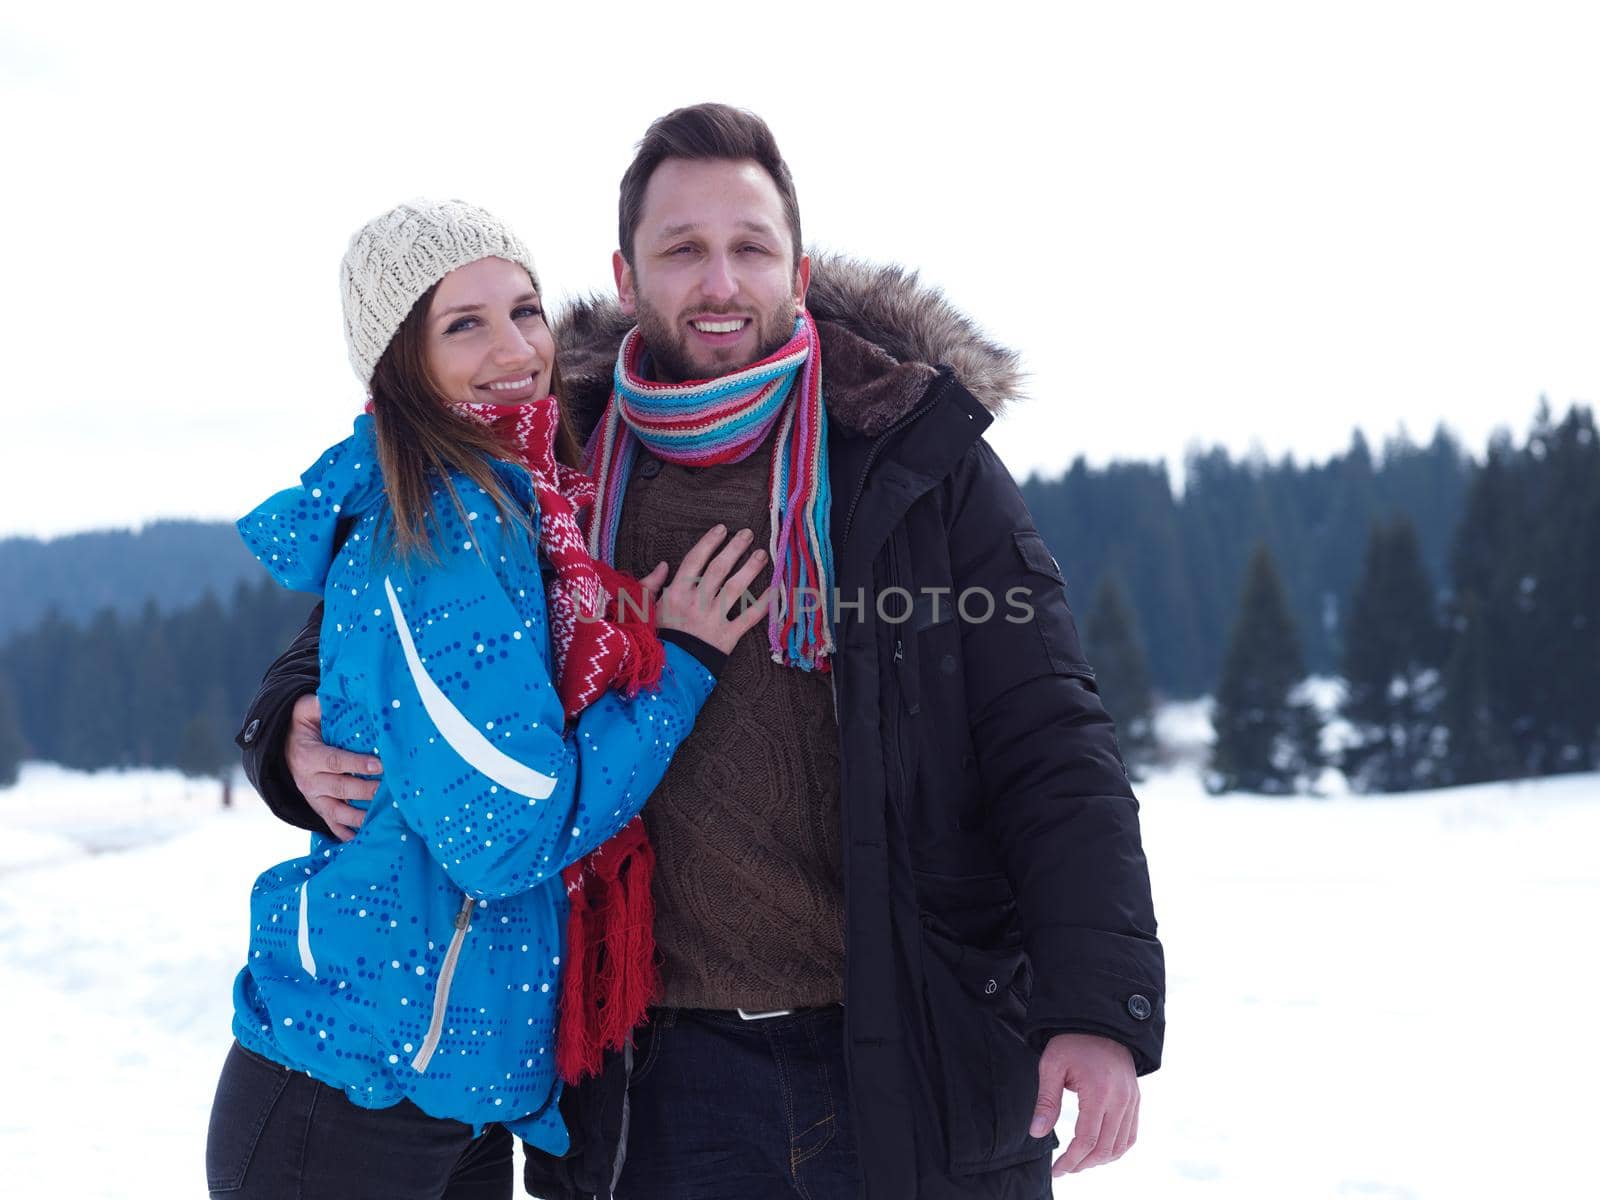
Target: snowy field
x: 1368, y: 997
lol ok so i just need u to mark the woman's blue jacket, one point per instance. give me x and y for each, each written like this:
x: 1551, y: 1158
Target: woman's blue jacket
x: 421, y: 960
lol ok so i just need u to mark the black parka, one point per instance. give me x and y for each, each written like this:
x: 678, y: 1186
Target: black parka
x: 995, y: 889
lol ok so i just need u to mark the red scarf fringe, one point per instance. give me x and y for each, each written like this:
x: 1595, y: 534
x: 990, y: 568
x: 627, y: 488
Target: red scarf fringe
x: 610, y: 975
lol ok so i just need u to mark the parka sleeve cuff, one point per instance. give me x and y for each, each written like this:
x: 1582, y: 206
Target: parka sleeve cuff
x: 266, y: 724
x: 1100, y: 988
x: 707, y: 655
x: 266, y: 768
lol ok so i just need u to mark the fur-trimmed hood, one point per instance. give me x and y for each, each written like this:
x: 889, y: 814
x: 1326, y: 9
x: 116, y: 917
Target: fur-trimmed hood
x: 883, y: 332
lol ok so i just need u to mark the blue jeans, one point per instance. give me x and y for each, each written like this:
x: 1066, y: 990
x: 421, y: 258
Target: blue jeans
x: 723, y: 1107
x: 278, y: 1134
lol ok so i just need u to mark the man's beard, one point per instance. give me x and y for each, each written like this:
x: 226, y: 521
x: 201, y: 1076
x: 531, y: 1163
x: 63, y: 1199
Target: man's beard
x: 669, y: 345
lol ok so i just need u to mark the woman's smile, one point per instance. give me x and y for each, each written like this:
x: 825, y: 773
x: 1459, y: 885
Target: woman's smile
x: 512, y: 388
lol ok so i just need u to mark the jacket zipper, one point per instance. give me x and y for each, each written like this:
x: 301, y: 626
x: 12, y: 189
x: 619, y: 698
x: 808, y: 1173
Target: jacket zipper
x: 441, y: 992
x: 897, y: 575
x: 899, y: 721
x: 855, y: 499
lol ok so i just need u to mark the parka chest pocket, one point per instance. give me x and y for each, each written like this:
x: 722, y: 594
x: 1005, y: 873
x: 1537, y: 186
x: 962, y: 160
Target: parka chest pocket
x: 1049, y: 613
x: 1036, y: 555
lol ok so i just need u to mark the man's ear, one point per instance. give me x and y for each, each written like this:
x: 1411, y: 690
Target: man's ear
x: 623, y: 274
x: 802, y: 280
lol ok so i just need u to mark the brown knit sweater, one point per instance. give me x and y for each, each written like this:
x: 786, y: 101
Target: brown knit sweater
x: 748, y: 892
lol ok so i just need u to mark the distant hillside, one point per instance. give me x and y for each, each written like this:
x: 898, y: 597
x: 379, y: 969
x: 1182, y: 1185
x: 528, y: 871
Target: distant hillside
x: 172, y: 562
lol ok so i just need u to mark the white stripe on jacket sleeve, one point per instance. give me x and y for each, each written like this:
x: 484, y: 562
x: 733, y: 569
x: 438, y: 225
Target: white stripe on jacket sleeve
x: 477, y: 751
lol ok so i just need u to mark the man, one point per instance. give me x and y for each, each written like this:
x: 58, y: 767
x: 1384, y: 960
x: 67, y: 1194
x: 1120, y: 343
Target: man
x: 900, y: 899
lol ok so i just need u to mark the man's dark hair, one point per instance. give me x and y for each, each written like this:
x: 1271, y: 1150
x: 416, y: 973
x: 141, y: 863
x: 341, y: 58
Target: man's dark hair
x: 703, y: 131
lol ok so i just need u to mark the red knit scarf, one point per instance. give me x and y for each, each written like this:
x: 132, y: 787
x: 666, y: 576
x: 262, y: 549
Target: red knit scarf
x: 610, y: 975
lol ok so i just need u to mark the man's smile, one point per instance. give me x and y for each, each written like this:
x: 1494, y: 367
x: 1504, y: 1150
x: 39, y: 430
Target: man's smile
x: 718, y: 329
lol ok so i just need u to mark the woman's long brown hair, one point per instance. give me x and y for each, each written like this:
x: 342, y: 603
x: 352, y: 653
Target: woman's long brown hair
x: 422, y: 440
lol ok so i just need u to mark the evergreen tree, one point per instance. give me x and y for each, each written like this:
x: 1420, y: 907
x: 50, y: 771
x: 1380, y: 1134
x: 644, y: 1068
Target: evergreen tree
x: 1266, y: 740
x: 1224, y: 513
x: 1527, y: 553
x: 1486, y: 629
x: 12, y: 747
x: 1123, y: 517
x: 156, y: 717
x: 1334, y: 545
x: 1392, y: 656
x: 1562, y: 607
x: 204, y: 752
x: 1478, y: 745
x: 35, y: 664
x: 204, y: 641
x: 96, y: 697
x: 1113, y: 644
x: 1429, y: 485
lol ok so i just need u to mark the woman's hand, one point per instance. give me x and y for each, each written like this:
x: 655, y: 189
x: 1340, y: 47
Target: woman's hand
x: 703, y: 593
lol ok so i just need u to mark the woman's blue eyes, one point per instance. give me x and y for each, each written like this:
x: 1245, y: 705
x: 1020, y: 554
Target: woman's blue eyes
x: 521, y: 313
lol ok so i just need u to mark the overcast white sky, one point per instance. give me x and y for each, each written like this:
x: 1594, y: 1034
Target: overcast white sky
x: 1247, y: 224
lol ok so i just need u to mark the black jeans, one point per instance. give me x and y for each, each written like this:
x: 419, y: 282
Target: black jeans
x: 720, y: 1107
x: 278, y: 1134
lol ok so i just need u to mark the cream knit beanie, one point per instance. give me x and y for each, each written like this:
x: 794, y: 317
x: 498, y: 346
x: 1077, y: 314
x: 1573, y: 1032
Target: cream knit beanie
x: 395, y: 258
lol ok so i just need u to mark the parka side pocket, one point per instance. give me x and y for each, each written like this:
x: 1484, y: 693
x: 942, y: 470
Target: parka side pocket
x: 987, y: 1073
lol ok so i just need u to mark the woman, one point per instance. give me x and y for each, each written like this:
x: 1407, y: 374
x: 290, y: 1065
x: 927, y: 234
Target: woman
x: 397, y: 1021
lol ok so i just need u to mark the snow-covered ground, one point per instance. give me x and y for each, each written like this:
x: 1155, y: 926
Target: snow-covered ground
x: 1368, y: 997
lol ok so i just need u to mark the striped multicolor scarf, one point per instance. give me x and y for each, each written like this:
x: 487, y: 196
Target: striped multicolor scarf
x: 706, y: 422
